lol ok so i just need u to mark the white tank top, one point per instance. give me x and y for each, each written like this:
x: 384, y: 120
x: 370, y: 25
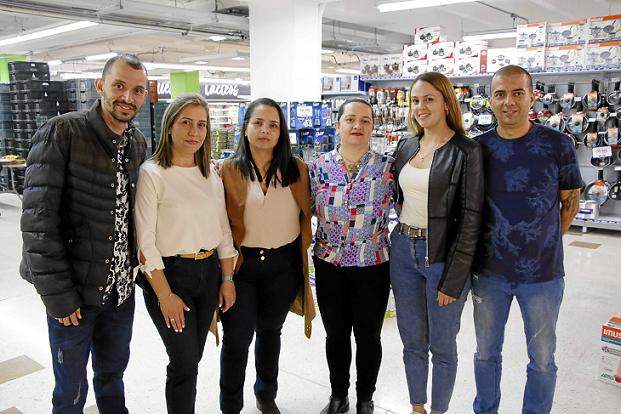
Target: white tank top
x: 414, y: 184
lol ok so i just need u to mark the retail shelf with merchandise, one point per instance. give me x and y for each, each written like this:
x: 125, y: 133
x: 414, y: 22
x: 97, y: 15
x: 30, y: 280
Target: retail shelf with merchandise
x: 349, y: 93
x: 602, y: 222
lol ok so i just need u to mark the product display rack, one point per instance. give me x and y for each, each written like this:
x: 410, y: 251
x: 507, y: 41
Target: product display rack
x: 610, y: 212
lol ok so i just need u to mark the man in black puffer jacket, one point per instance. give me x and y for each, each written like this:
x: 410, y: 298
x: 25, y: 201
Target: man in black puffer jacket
x: 78, y: 234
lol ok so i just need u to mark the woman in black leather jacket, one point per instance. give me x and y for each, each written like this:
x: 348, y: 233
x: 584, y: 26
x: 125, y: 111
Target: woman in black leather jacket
x: 440, y: 194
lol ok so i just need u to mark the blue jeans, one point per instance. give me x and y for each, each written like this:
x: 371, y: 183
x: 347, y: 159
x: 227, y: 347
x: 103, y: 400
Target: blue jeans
x: 539, y: 304
x: 423, y: 325
x: 104, y: 332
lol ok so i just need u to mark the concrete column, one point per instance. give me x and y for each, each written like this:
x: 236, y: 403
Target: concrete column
x: 285, y: 49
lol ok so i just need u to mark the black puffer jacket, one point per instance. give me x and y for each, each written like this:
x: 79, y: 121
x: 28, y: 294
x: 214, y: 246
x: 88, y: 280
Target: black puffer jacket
x: 68, y: 208
x: 454, y: 205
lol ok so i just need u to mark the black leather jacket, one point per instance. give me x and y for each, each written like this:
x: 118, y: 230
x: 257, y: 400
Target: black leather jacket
x: 68, y: 208
x: 454, y: 205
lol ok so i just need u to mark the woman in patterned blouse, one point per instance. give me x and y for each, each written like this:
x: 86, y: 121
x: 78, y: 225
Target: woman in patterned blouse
x: 351, y: 189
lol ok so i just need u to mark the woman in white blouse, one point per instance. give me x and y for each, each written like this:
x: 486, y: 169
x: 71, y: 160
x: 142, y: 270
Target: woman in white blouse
x: 268, y: 204
x: 183, y: 231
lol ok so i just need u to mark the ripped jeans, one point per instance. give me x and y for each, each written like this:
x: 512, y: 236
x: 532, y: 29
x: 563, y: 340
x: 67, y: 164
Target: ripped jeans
x: 104, y: 332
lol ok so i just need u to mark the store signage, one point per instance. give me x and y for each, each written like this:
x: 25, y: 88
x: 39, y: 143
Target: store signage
x: 210, y: 90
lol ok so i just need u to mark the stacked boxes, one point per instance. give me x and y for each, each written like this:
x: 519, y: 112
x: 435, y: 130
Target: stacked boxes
x: 80, y: 93
x: 610, y: 359
x: 142, y: 121
x: 470, y: 58
x: 6, y: 129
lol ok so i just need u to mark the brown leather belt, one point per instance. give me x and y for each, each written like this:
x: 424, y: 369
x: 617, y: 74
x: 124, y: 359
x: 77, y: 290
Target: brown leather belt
x: 411, y: 231
x: 197, y: 256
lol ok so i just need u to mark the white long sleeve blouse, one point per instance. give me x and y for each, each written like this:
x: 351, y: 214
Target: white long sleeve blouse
x: 179, y: 211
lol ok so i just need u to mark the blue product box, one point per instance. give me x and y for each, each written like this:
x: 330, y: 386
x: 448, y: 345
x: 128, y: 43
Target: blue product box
x: 306, y: 138
x: 324, y: 139
x: 301, y: 115
x: 317, y: 111
x: 326, y: 114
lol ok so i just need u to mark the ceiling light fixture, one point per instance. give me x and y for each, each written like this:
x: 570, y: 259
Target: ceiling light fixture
x: 201, y: 62
x: 326, y: 51
x: 104, y: 56
x: 217, y: 38
x: 224, y: 80
x: 174, y: 66
x: 54, y: 62
x: 418, y: 4
x: 47, y: 32
x: 80, y: 75
x: 490, y: 36
x: 238, y: 58
x: 349, y: 71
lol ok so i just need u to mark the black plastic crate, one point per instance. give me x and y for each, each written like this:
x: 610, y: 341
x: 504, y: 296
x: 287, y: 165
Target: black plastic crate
x: 18, y: 66
x: 81, y: 105
x: 76, y: 95
x: 24, y: 125
x: 80, y: 84
x: 22, y: 76
x: 37, y: 86
x: 5, y: 116
x: 23, y: 134
x: 41, y: 106
x: 38, y: 117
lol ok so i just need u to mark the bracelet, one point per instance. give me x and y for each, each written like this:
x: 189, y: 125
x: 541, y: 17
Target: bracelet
x: 167, y: 297
x: 227, y: 278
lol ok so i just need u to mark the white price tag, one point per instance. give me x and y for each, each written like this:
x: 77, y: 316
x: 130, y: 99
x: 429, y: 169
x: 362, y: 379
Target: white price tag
x: 577, y: 98
x: 602, y: 152
x: 304, y: 111
x: 485, y: 119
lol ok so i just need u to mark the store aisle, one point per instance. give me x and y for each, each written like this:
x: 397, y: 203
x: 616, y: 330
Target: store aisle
x: 593, y: 289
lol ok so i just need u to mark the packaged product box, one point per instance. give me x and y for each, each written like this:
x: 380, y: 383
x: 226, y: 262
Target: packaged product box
x: 326, y: 114
x: 572, y: 32
x: 301, y: 115
x: 609, y: 369
x: 471, y: 66
x: 444, y: 66
x: 564, y: 58
x: 531, y: 58
x: 351, y: 83
x: 605, y: 28
x: 369, y: 65
x: 424, y: 35
x: 330, y: 84
x: 469, y: 49
x: 497, y: 58
x: 412, y: 68
x: 442, y: 50
x: 604, y: 55
x: 531, y: 35
x: 415, y: 52
x: 391, y: 65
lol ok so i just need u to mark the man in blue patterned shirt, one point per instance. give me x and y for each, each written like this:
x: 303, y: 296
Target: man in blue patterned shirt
x: 530, y: 170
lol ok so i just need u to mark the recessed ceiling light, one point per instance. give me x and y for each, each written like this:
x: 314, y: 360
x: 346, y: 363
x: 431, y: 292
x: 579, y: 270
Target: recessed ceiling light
x: 104, y: 56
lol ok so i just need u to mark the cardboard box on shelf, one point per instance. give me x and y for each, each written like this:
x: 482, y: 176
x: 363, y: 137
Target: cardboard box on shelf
x: 442, y: 50
x: 469, y: 49
x: 604, y: 55
x: 531, y: 58
x: 572, y: 32
x: 444, y: 66
x: 369, y: 65
x: 330, y: 84
x: 471, y: 66
x: 427, y: 35
x: 497, y: 58
x: 351, y: 83
x: 564, y: 58
x: 391, y: 65
x: 605, y: 28
x: 415, y: 52
x: 531, y: 34
x: 413, y: 68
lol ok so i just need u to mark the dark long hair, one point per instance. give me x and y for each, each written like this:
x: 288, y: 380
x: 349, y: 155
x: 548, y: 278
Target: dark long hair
x: 282, y: 159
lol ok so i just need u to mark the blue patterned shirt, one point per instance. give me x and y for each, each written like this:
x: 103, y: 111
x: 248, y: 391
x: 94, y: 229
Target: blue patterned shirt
x: 521, y: 236
x: 352, y: 213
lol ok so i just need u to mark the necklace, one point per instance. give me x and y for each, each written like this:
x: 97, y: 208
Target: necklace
x: 422, y: 155
x: 351, y: 166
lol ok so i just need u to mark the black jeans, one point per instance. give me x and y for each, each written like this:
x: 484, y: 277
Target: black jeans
x: 266, y: 286
x: 352, y: 297
x: 196, y: 282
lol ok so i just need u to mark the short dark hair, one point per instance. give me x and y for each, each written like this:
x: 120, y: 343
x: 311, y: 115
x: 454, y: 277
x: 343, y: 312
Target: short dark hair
x: 514, y: 70
x: 127, y: 58
x: 351, y: 101
x: 282, y: 159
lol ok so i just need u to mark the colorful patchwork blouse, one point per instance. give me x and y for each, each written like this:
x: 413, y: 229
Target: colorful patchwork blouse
x: 352, y: 213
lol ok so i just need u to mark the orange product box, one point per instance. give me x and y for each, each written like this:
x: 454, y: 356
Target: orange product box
x: 572, y: 32
x: 605, y: 28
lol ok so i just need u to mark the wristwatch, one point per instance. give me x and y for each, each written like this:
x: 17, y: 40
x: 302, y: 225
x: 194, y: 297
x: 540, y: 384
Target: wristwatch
x: 227, y: 277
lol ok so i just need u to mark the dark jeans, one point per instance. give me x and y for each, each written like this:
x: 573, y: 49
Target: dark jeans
x: 266, y: 285
x: 104, y: 332
x: 352, y: 297
x: 196, y: 282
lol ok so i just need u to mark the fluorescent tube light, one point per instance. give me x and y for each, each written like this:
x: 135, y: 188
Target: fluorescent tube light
x: 47, y: 32
x: 104, y: 56
x: 349, y: 71
x: 54, y: 62
x: 201, y: 62
x: 217, y: 38
x: 80, y: 75
x: 238, y: 58
x: 224, y: 80
x: 417, y: 4
x: 176, y: 66
x: 488, y: 36
x: 326, y: 51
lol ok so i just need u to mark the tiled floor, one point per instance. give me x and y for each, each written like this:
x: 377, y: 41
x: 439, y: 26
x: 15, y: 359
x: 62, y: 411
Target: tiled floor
x: 592, y: 295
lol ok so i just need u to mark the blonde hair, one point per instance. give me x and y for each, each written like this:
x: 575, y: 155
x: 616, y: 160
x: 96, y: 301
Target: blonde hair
x: 443, y: 85
x: 163, y: 153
